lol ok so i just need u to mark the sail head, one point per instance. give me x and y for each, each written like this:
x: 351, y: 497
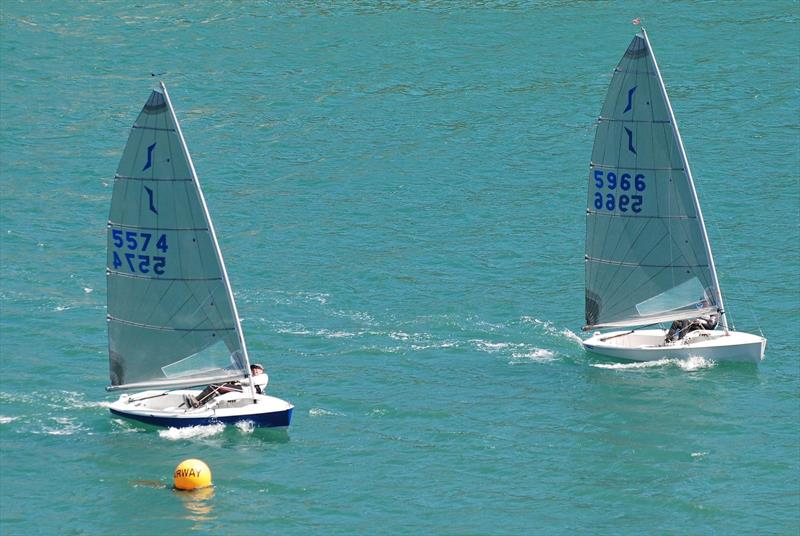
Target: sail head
x: 171, y: 317
x: 646, y: 259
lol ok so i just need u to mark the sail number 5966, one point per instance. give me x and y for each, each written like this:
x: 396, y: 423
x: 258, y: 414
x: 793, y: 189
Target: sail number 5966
x: 617, y: 184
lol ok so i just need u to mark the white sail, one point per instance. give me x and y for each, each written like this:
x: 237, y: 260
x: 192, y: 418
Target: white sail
x: 647, y: 253
x: 171, y: 315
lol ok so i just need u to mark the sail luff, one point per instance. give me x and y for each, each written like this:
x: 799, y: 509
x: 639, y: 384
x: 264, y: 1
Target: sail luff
x: 212, y: 231
x: 695, y: 200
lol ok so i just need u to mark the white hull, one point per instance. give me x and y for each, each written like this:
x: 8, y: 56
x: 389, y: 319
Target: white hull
x: 167, y: 408
x: 649, y: 345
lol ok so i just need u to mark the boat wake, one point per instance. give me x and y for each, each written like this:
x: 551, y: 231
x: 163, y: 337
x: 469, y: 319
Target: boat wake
x: 520, y: 352
x: 689, y: 365
x: 76, y: 400
x: 46, y: 425
x: 65, y: 426
x: 493, y: 347
x: 548, y: 342
x: 550, y: 329
x: 538, y: 354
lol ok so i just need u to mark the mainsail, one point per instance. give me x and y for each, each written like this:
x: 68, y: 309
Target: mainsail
x: 647, y: 254
x: 171, y: 316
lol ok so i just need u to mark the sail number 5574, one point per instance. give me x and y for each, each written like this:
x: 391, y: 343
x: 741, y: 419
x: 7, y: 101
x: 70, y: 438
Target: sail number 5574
x: 618, y: 186
x: 128, y: 242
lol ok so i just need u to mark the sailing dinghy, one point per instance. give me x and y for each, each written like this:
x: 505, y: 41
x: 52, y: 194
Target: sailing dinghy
x: 172, y: 319
x: 648, y: 258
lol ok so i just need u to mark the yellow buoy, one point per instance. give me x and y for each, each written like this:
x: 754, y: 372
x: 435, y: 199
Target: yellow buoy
x: 192, y: 474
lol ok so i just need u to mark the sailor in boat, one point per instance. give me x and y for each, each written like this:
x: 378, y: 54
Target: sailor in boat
x: 680, y: 328
x: 260, y: 381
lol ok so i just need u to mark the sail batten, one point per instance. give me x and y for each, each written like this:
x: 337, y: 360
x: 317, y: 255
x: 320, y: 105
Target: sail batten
x: 169, y: 179
x: 647, y: 258
x: 159, y: 278
x: 638, y: 264
x: 640, y: 168
x: 150, y: 228
x: 168, y: 327
x: 610, y: 120
x: 138, y: 127
x: 590, y: 212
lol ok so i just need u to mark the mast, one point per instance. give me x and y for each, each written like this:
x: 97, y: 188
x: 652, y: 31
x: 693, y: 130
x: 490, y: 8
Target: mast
x: 207, y: 215
x: 695, y: 200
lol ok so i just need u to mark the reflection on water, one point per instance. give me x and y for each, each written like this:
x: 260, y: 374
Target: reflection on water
x: 239, y: 436
x: 199, y: 504
x: 271, y: 435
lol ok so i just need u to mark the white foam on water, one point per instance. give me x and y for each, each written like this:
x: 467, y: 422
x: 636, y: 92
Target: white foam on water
x: 320, y: 298
x: 699, y: 454
x: 299, y: 329
x: 690, y: 364
x: 443, y: 344
x: 294, y: 331
x: 364, y: 318
x: 320, y: 412
x: 328, y: 334
x: 88, y: 290
x: 490, y: 326
x: 246, y: 427
x: 192, y: 432
x: 59, y: 432
x: 16, y: 397
x: 536, y: 322
x: 126, y: 426
x: 493, y: 347
x: 550, y: 328
x: 288, y: 297
x: 634, y: 366
x: 65, y: 426
x: 695, y: 363
x: 86, y: 405
x: 399, y: 336
x: 6, y: 420
x: 537, y: 354
x: 568, y: 334
x: 283, y: 297
x: 73, y: 399
x: 418, y: 341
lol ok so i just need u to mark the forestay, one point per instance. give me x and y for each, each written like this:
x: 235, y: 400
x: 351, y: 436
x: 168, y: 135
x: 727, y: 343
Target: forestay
x: 171, y: 316
x: 647, y: 254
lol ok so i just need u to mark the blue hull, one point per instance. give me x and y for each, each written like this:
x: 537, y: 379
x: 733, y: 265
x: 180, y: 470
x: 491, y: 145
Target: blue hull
x: 264, y: 420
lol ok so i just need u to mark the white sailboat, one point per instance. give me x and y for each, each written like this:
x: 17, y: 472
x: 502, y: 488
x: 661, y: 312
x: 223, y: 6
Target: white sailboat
x: 648, y: 258
x: 172, y: 318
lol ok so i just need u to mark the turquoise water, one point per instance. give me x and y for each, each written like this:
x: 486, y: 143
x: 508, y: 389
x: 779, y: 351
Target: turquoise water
x: 399, y: 192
